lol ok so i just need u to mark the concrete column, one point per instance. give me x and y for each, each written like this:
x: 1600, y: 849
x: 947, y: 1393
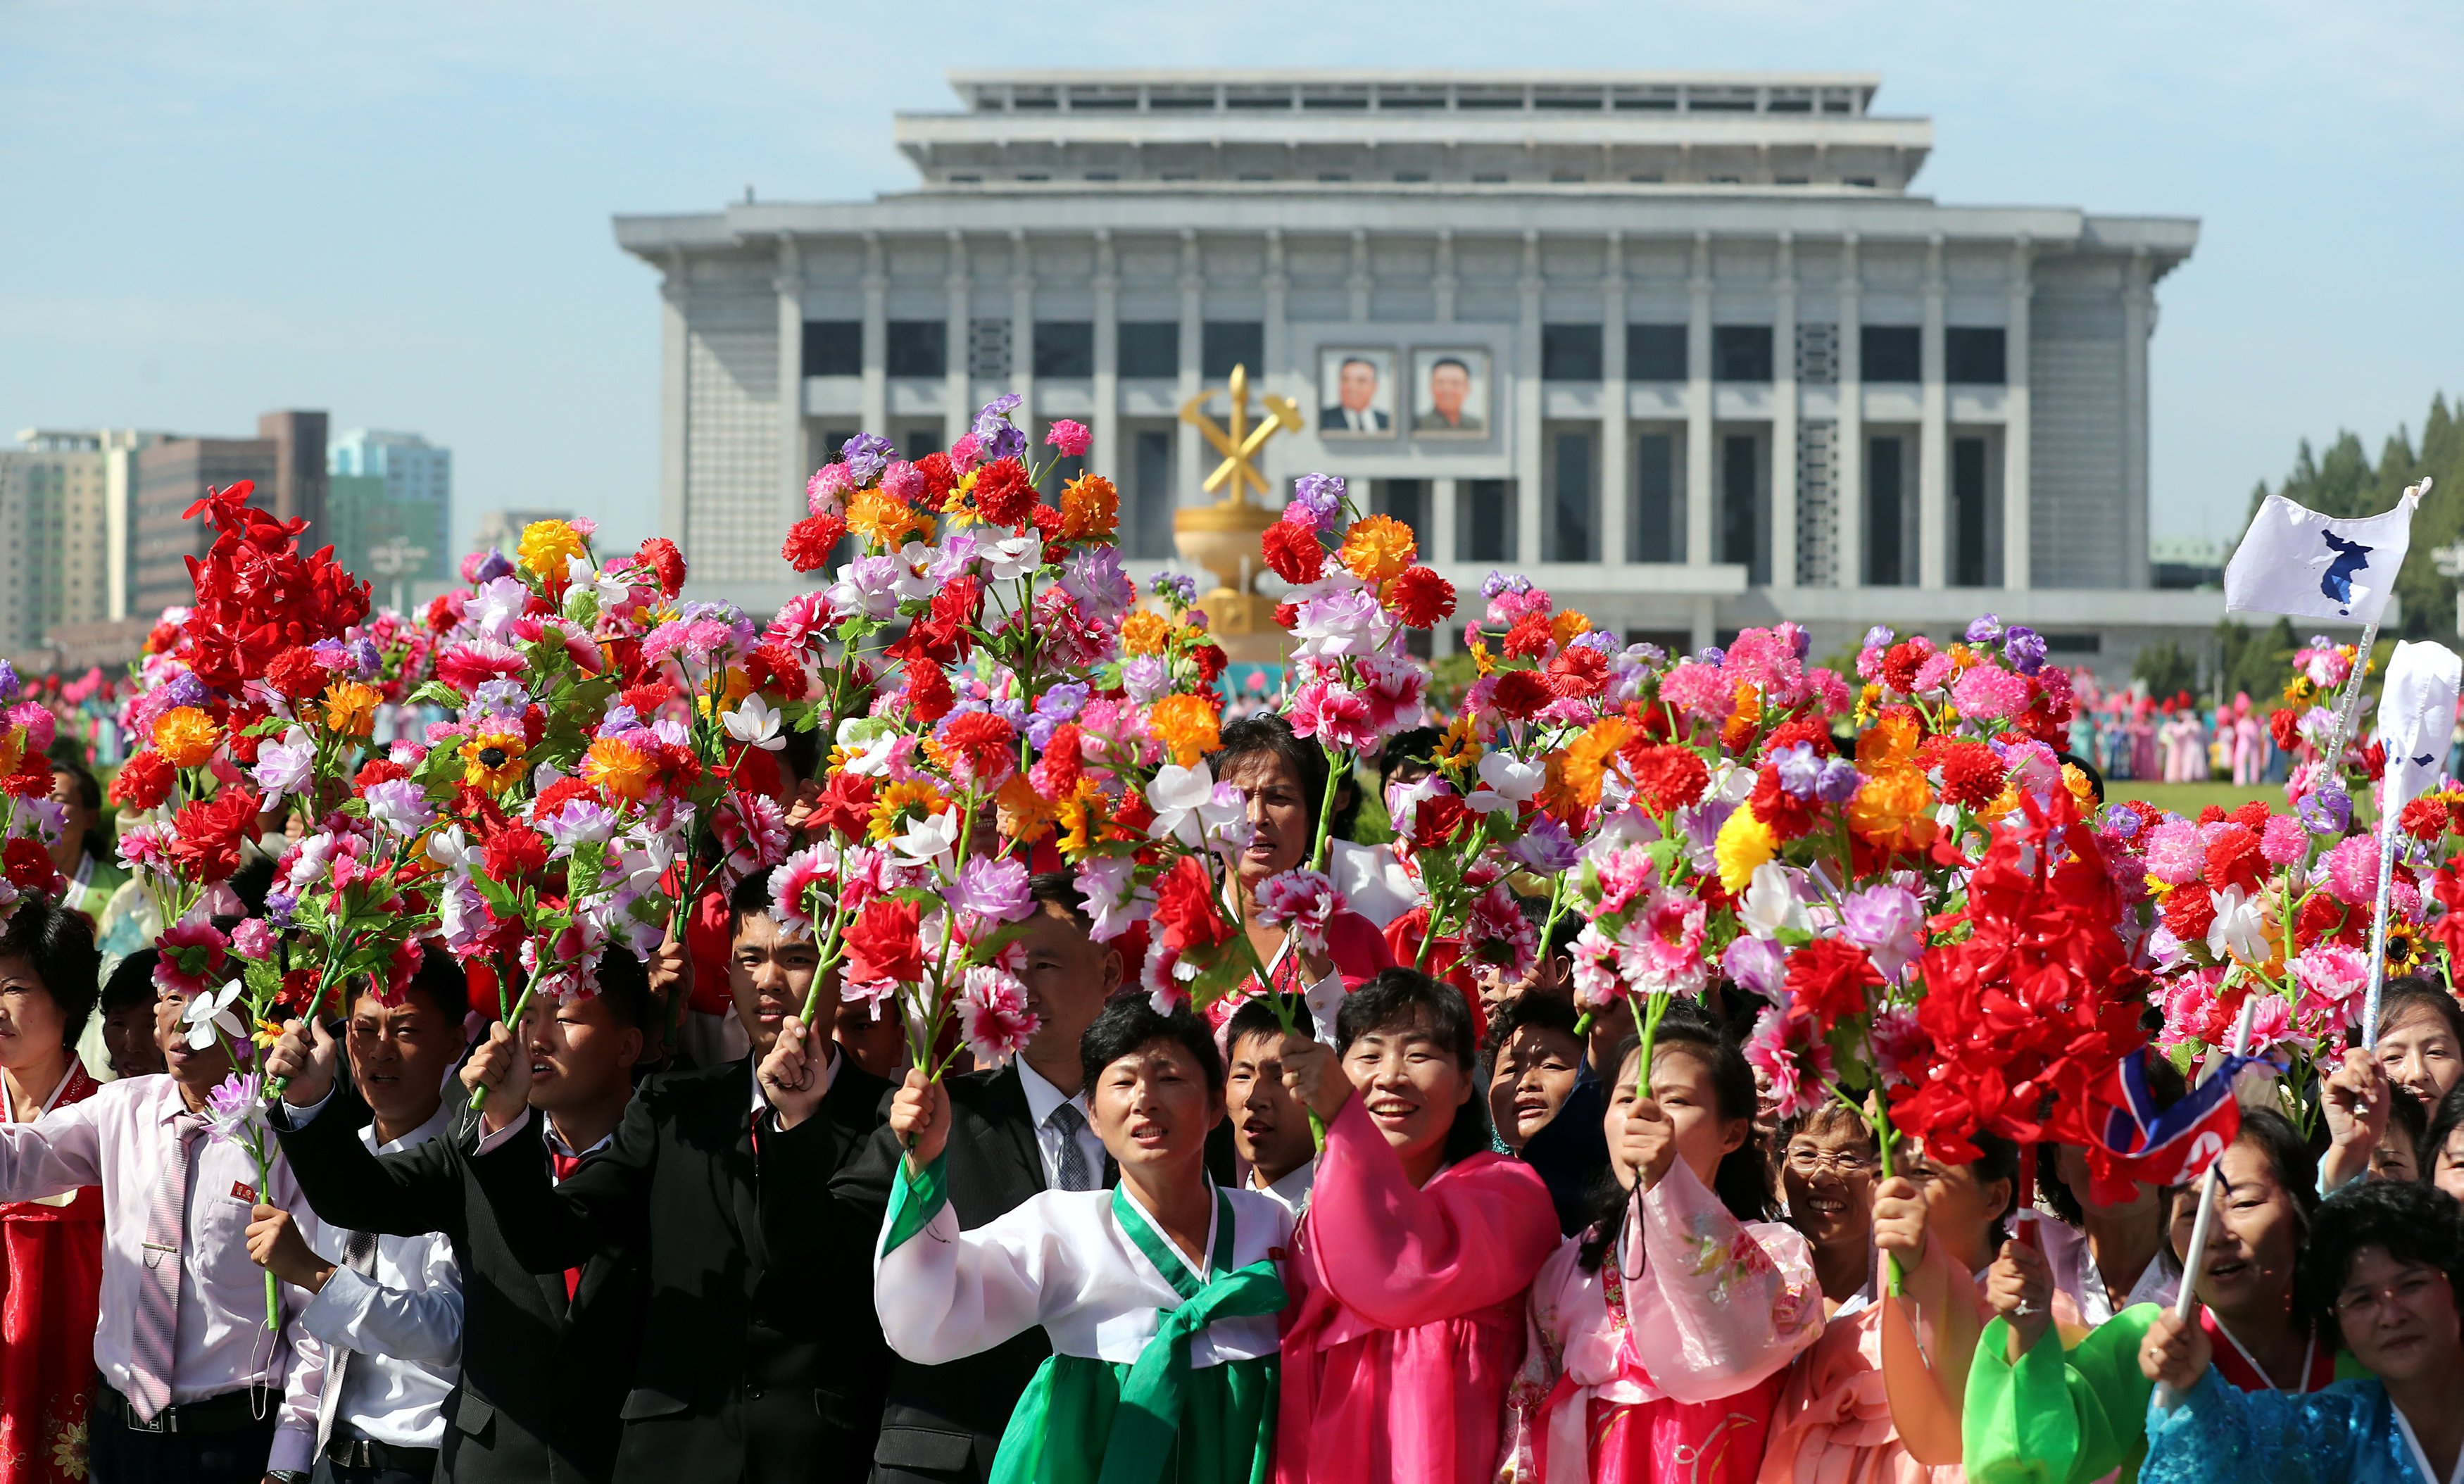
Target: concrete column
x: 2016, y: 423
x: 1933, y: 435
x: 1443, y: 543
x: 1106, y: 448
x: 1278, y: 374
x: 1848, y: 481
x: 1191, y: 448
x: 1527, y: 442
x: 1021, y: 333
x: 876, y: 337
x: 1706, y: 627
x: 1699, y: 510
x: 675, y: 388
x: 2138, y: 323
x: 1359, y: 282
x: 794, y: 469
x: 1617, y: 441
x: 1783, y: 475
x: 1444, y: 281
x: 958, y: 387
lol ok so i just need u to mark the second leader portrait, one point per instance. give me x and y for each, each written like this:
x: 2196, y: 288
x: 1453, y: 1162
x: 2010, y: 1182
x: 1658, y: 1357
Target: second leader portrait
x: 1450, y: 393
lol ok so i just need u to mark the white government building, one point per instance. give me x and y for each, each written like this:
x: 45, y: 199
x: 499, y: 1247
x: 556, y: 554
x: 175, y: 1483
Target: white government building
x: 1682, y: 347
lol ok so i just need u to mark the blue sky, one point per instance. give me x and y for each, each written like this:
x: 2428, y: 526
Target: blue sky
x: 401, y: 212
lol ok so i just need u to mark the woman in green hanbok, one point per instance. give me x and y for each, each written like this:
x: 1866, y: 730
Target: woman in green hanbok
x: 1159, y: 1295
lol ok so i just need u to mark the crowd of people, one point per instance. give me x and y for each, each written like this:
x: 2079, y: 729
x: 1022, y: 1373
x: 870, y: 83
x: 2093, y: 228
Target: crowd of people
x: 1395, y: 1231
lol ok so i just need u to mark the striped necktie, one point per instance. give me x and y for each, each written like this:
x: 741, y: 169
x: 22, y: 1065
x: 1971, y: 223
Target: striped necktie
x: 154, y: 1330
x: 1067, y: 1121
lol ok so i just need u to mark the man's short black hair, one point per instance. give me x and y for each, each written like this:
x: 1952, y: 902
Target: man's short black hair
x: 59, y: 946
x: 2411, y: 1220
x: 751, y: 898
x: 1412, y: 745
x: 1060, y: 889
x: 1256, y: 1016
x: 131, y: 983
x: 1541, y: 1011
x: 1131, y: 1022
x: 440, y: 977
x: 1457, y: 362
x: 1269, y: 732
x: 1356, y: 360
x: 625, y: 986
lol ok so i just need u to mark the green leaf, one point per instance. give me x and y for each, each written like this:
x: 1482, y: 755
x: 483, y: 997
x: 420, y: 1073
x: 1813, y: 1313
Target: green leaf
x: 499, y: 897
x: 436, y: 693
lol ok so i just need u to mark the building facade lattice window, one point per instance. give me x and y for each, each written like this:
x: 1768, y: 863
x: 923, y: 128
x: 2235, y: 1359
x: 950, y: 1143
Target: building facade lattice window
x: 1655, y: 352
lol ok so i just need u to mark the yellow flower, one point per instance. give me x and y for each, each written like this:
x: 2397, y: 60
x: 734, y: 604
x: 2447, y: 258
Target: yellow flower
x: 618, y: 768
x: 1458, y: 751
x: 1482, y: 663
x: 1378, y: 547
x: 1186, y: 725
x: 2158, y: 889
x: 267, y: 1032
x: 1143, y: 633
x: 492, y: 759
x: 1078, y: 819
x: 2301, y: 690
x: 884, y: 519
x: 1745, y: 843
x: 1091, y: 508
x: 2403, y: 949
x: 351, y: 708
x: 186, y: 737
x: 892, y: 805
x: 546, y: 546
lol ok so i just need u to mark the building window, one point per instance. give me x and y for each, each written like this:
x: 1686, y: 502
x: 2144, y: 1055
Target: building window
x: 2074, y: 643
x: 1743, y: 537
x: 1741, y: 353
x: 1969, y: 517
x: 834, y: 347
x: 1569, y: 352
x: 1569, y: 532
x: 1655, y: 352
x: 1972, y: 356
x: 1150, y: 533
x: 988, y: 349
x: 1486, y: 531
x: 1150, y: 348
x: 1891, y: 353
x: 1406, y: 500
x: 1488, y: 179
x: 919, y: 347
x: 1411, y: 177
x: 1231, y: 343
x: 1065, y: 347
x: 1885, y: 553
x: 1656, y: 531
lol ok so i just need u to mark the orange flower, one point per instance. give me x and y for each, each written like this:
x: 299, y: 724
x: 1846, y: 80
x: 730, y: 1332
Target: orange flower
x: 1025, y: 814
x: 1739, y: 729
x: 1143, y: 633
x: 884, y: 519
x: 1581, y: 765
x: 351, y: 708
x: 1568, y: 627
x: 1090, y: 508
x: 618, y: 768
x: 1378, y: 547
x: 186, y: 737
x: 1890, y: 743
x: 1186, y: 725
x: 1894, y: 808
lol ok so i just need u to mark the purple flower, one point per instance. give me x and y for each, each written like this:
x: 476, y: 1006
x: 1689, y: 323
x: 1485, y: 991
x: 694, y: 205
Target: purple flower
x: 1800, y: 770
x: 2024, y: 647
x: 1317, y: 500
x: 364, y: 660
x: 7, y: 682
x: 952, y: 560
x: 1546, y: 848
x: 1839, y: 783
x: 993, y: 889
x: 1984, y: 629
x: 185, y: 689
x: 485, y: 566
x: 620, y: 718
x: 1888, y: 923
x: 1711, y: 655
x: 2328, y: 811
x: 1145, y: 679
x: 865, y: 456
x: 1093, y: 576
x: 279, y: 906
x: 1599, y: 639
x: 2122, y: 821
x: 1877, y: 637
x: 399, y: 806
x: 1061, y: 703
x: 995, y: 435
x: 1176, y: 588
x: 1757, y: 967
x: 232, y: 1109
x: 498, y: 698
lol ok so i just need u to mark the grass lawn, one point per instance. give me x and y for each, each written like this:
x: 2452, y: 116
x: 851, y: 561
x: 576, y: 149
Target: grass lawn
x: 2190, y: 798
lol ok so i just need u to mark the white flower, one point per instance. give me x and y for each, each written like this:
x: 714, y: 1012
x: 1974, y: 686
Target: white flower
x: 496, y: 605
x: 929, y: 841
x: 448, y: 848
x: 1186, y: 808
x: 2240, y: 927
x: 1015, y: 557
x: 914, y: 585
x: 210, y: 1010
x: 871, y: 742
x: 1770, y: 902
x: 756, y: 724
x: 1506, y: 781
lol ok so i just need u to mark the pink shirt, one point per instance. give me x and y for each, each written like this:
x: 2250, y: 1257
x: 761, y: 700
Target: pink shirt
x: 117, y: 1140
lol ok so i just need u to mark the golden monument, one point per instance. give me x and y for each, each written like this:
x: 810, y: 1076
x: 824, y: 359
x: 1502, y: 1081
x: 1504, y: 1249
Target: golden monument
x: 1223, y: 538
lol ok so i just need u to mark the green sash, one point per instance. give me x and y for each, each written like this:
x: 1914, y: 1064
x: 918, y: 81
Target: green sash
x: 1147, y: 1428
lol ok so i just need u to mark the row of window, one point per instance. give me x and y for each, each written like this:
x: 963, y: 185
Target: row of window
x: 1151, y: 349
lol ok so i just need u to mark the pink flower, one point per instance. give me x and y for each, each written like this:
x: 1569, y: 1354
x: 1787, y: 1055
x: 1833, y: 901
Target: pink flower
x: 1302, y: 902
x: 904, y: 481
x: 793, y: 885
x: 2284, y: 840
x: 872, y: 996
x: 1989, y: 693
x: 253, y: 939
x: 1335, y: 714
x: 994, y: 1016
x: 1070, y: 437
x: 1781, y: 1069
x: 825, y: 492
x: 1499, y: 938
x: 1699, y: 691
x: 1900, y: 1043
x: 1623, y: 877
x: 1933, y: 673
x: 2175, y: 852
x: 2333, y: 980
x: 1597, y: 985
x: 967, y: 453
x: 801, y: 620
x: 1394, y: 690
x: 2353, y: 871
x: 1663, y: 954
x: 192, y: 952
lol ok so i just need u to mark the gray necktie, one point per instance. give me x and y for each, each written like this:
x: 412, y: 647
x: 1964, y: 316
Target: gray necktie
x: 360, y: 1255
x: 1067, y: 1121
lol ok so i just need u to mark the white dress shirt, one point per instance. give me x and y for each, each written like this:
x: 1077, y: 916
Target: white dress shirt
x: 1292, y: 1190
x: 118, y: 1139
x: 402, y: 1323
x: 1042, y: 1098
x: 2076, y: 1273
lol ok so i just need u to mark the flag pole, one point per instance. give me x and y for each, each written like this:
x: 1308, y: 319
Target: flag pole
x: 2347, y: 703
x: 2379, y: 920
x: 2194, y: 1262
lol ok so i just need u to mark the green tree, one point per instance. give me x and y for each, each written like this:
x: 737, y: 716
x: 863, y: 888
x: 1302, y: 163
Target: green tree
x: 2165, y: 670
x: 2254, y: 661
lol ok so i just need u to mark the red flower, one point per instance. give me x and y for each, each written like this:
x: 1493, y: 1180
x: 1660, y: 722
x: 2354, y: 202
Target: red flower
x: 2251, y: 816
x: 205, y: 837
x: 661, y: 556
x: 987, y: 744
x: 939, y: 478
x: 1667, y: 778
x: 1827, y: 980
x: 2284, y: 727
x: 32, y: 778
x: 2234, y: 859
x: 1900, y: 663
x: 2423, y: 819
x: 811, y: 540
x: 1420, y: 597
x: 1210, y: 660
x: 644, y: 701
x: 553, y: 799
x: 1003, y: 493
x: 1293, y: 552
x: 846, y: 805
x: 1187, y: 916
x: 1972, y: 777
x: 1287, y: 614
x: 1520, y: 694
x: 1056, y: 774
x: 28, y: 866
x: 883, y: 943
x: 1578, y: 673
x: 1530, y: 637
x: 298, y: 673
x: 1811, y: 731
x: 1786, y: 814
x: 375, y: 772
x: 775, y: 667
x: 2190, y: 912
x: 928, y: 691
x: 512, y: 853
x: 1437, y: 820
x: 256, y: 595
x: 144, y: 782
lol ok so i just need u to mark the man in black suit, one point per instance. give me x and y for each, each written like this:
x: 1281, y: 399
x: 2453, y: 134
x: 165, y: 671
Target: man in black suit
x: 545, y: 1359
x: 760, y: 1357
x: 1009, y: 1142
x: 1355, y: 393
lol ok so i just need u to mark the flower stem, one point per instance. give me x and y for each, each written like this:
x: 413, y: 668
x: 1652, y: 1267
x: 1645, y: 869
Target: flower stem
x: 521, y: 1003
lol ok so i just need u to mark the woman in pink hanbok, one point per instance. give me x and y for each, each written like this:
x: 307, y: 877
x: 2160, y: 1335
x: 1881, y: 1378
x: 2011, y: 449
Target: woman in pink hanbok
x: 1662, y: 1333
x: 1409, y: 1269
x: 2249, y: 744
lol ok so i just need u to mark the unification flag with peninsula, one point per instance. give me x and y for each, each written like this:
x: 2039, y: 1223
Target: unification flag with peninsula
x: 2295, y: 560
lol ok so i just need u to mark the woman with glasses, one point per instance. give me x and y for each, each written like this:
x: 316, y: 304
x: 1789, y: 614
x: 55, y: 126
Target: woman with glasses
x: 2383, y: 1265
x: 1838, y: 1419
x: 2065, y: 1409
